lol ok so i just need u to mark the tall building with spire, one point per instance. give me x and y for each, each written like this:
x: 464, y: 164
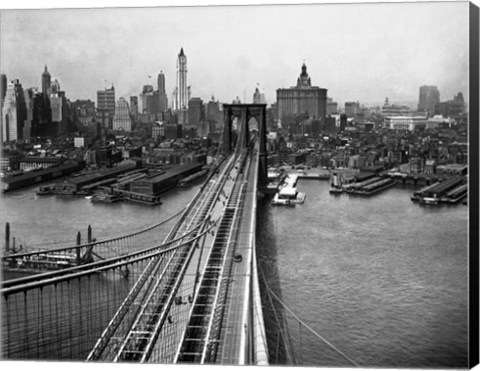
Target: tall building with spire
x: 181, y: 94
x: 302, y: 100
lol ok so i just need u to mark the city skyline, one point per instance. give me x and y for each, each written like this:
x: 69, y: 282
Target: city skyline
x: 359, y: 52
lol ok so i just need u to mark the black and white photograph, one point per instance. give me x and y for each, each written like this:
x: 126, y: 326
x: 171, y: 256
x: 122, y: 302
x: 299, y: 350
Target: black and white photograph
x: 258, y: 184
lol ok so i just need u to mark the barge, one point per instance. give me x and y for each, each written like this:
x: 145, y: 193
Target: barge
x: 335, y: 184
x: 371, y: 187
x: 106, y: 198
x: 142, y: 198
x: 456, y: 194
x: 417, y: 194
x: 450, y: 191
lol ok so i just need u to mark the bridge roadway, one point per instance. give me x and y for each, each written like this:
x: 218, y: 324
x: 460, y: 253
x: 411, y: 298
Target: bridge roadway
x: 218, y: 335
x: 194, y: 276
x: 232, y: 346
x: 171, y: 334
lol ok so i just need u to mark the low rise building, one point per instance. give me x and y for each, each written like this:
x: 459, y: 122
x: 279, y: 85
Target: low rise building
x: 159, y: 183
x: 35, y: 162
x: 405, y: 122
x: 452, y: 169
x: 10, y: 162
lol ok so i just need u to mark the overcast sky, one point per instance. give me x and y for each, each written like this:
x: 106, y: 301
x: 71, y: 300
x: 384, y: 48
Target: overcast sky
x: 363, y: 52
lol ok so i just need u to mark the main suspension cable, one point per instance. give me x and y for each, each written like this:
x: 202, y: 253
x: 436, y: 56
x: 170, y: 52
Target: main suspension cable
x: 308, y: 327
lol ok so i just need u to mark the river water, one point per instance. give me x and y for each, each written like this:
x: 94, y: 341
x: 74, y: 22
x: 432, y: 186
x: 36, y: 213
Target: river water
x: 382, y: 279
x: 36, y: 221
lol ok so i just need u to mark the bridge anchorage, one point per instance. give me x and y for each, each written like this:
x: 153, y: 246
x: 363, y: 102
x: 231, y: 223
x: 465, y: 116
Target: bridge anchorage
x: 190, y: 296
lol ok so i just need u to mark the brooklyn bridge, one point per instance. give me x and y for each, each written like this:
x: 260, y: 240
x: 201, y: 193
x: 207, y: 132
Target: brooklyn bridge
x: 190, y: 296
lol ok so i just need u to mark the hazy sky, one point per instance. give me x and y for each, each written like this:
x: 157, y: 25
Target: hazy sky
x: 363, y: 52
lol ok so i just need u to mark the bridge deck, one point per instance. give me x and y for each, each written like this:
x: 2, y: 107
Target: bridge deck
x: 234, y: 324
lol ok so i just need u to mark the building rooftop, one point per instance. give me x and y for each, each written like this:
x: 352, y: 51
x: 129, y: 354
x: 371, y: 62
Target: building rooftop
x: 172, y: 172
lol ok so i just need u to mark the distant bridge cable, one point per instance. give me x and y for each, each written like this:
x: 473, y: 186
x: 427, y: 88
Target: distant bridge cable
x: 117, y: 237
x: 96, y: 243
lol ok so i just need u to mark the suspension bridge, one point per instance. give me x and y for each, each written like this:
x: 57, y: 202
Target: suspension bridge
x: 188, y: 296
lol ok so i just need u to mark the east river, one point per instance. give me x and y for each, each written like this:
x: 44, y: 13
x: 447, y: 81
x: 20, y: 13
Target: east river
x: 382, y: 279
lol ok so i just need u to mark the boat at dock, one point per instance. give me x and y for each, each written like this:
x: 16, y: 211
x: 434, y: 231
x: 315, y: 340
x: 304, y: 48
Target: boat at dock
x: 277, y: 200
x: 41, y: 262
x: 429, y: 201
x: 45, y: 190
x: 106, y: 198
x: 145, y: 199
x: 60, y: 190
x: 335, y: 184
x: 288, y: 194
x: 141, y: 198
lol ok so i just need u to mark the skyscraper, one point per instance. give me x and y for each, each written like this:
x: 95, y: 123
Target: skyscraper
x: 30, y: 95
x: 59, y: 109
x: 196, y: 111
x: 428, y: 97
x: 146, y: 98
x: 46, y: 83
x: 302, y: 100
x: 161, y: 82
x: 3, y: 92
x: 106, y: 106
x: 258, y: 98
x: 452, y: 108
x: 162, y: 95
x: 14, y: 112
x: 134, y: 108
x: 214, y: 114
x: 122, y: 120
x: 181, y: 94
x: 3, y: 86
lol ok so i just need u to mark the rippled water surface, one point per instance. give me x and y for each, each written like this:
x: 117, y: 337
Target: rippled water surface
x: 381, y: 278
